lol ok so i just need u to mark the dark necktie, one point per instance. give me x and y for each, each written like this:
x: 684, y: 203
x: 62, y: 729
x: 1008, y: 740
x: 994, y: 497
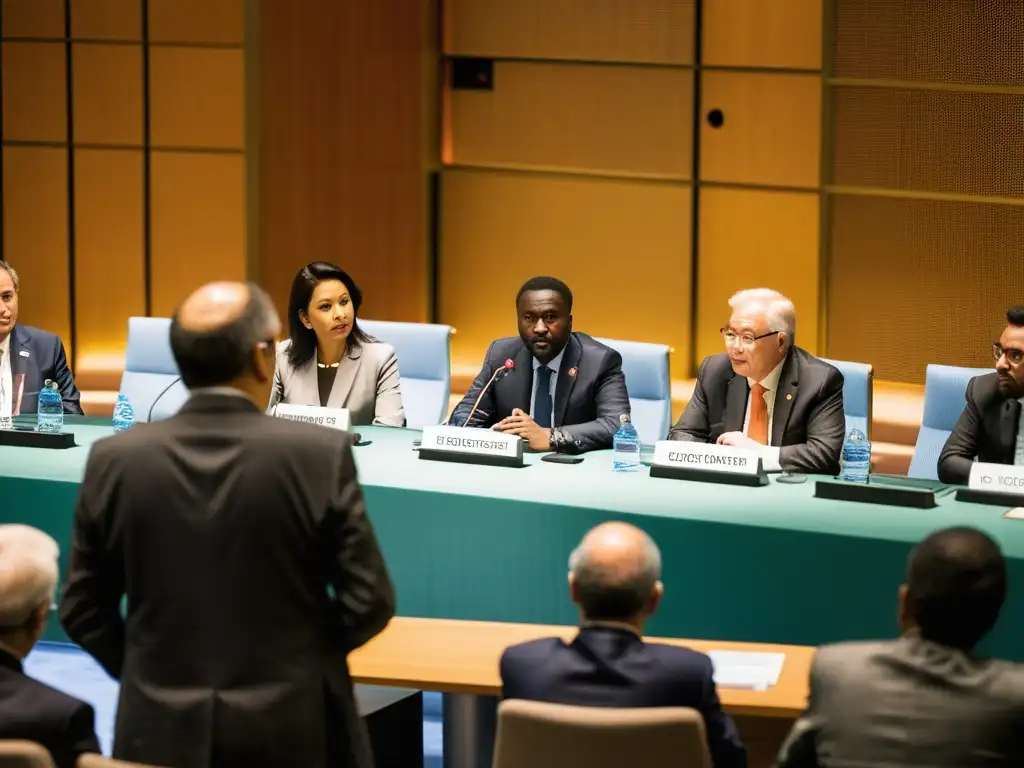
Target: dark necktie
x: 542, y: 400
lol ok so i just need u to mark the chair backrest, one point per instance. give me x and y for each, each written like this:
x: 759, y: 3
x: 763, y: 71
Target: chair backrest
x: 945, y: 387
x: 534, y: 734
x: 99, y: 761
x: 15, y: 753
x: 150, y: 371
x: 858, y: 393
x: 424, y: 364
x: 646, y: 369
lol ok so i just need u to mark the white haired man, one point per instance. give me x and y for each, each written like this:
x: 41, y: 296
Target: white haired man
x: 29, y: 709
x: 765, y: 393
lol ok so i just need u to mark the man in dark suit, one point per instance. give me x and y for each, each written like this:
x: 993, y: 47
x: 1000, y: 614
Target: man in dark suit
x: 250, y: 566
x: 991, y: 427
x: 765, y: 394
x: 29, y: 709
x: 28, y: 357
x: 614, y: 578
x: 565, y: 391
x: 925, y: 699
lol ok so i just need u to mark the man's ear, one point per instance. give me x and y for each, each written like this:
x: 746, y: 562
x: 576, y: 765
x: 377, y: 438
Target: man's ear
x: 37, y: 620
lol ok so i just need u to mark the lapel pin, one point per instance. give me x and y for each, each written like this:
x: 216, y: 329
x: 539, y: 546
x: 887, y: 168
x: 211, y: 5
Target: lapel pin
x: 571, y: 371
x: 789, y: 396
x: 24, y: 353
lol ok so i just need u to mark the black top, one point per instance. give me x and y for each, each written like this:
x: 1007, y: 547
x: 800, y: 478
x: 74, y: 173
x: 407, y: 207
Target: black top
x: 325, y: 381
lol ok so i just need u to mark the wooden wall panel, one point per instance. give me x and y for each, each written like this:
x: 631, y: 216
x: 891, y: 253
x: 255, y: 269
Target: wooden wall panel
x: 200, y: 21
x: 756, y: 33
x: 35, y: 232
x: 611, y: 119
x: 34, y: 96
x: 106, y: 19
x: 32, y: 18
x: 344, y: 107
x: 622, y: 246
x: 107, y: 98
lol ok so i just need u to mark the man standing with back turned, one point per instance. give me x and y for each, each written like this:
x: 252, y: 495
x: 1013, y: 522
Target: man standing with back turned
x: 250, y: 567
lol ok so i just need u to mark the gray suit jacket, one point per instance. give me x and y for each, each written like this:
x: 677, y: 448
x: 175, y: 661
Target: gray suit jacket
x: 986, y: 430
x: 367, y: 383
x: 809, y: 426
x: 908, y: 702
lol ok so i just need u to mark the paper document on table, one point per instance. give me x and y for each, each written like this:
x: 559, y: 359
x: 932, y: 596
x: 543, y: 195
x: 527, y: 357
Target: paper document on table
x: 1015, y: 514
x: 750, y: 671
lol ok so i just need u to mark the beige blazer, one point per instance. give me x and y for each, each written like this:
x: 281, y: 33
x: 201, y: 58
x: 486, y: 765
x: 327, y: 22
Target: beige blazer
x: 367, y: 384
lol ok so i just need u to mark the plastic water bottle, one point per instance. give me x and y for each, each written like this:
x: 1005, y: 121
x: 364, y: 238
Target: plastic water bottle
x: 124, y: 414
x: 626, y: 445
x: 50, y: 411
x: 856, y: 457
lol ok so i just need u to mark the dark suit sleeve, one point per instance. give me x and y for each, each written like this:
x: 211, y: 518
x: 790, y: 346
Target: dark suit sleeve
x: 962, y: 444
x: 826, y: 428
x: 65, y: 382
x: 485, y: 412
x: 80, y: 733
x: 611, y: 400
x: 800, y: 749
x: 364, y: 597
x: 90, y: 609
x: 727, y: 751
x: 505, y: 667
x: 694, y: 425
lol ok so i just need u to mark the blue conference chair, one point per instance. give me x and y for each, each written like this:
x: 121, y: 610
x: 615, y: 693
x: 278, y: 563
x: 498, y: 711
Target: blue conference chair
x: 645, y: 367
x: 424, y: 363
x: 858, y: 389
x: 150, y: 373
x: 945, y: 387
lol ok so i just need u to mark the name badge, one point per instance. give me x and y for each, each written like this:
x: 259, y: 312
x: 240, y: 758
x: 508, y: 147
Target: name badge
x: 468, y: 440
x: 6, y: 423
x: 336, y: 418
x: 706, y: 457
x: 1000, y: 478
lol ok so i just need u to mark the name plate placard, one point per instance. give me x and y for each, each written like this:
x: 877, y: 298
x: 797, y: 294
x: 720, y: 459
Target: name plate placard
x: 707, y: 462
x: 1001, y: 484
x: 6, y: 423
x: 335, y: 418
x: 471, y: 445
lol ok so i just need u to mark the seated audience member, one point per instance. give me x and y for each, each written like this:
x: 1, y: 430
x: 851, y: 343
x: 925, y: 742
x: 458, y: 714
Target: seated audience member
x: 327, y: 359
x: 29, y: 709
x: 614, y: 579
x: 565, y: 392
x: 766, y: 394
x: 991, y: 427
x: 925, y: 699
x: 28, y: 357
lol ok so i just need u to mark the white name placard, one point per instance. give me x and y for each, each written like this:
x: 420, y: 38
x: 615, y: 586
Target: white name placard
x: 336, y: 418
x: 469, y: 440
x: 707, y: 457
x: 1001, y: 478
x: 6, y: 423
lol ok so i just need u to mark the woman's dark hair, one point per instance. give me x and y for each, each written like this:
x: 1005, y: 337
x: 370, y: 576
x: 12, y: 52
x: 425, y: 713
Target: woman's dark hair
x: 303, y: 346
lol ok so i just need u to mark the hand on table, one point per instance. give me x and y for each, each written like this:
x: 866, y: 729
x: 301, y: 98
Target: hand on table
x: 520, y: 423
x: 738, y: 440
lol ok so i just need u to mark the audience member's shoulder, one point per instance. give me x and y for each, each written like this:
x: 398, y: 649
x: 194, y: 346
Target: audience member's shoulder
x: 533, y: 651
x: 838, y: 657
x: 680, y: 657
x: 49, y: 699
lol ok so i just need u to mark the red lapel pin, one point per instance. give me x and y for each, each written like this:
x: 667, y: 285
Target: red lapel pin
x: 572, y: 371
x: 789, y: 396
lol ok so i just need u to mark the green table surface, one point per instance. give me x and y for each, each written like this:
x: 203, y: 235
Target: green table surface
x: 768, y: 564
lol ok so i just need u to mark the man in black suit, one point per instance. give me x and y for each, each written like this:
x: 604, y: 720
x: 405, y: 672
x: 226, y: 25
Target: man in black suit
x: 766, y: 394
x: 565, y: 392
x: 29, y: 709
x: 991, y: 427
x: 614, y: 578
x: 28, y: 357
x: 250, y: 566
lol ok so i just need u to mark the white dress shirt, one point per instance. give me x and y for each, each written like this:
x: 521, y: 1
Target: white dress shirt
x: 6, y: 379
x: 769, y: 453
x: 1018, y: 455
x: 556, y: 366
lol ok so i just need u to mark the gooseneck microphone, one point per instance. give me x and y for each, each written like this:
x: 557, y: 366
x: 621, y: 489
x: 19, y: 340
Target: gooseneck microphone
x: 508, y: 366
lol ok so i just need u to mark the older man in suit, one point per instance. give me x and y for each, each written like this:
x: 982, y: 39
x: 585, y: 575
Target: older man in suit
x: 250, y: 566
x: 766, y: 394
x: 28, y: 357
x: 29, y: 709
x: 562, y: 392
x: 991, y: 427
x: 614, y: 578
x: 925, y: 699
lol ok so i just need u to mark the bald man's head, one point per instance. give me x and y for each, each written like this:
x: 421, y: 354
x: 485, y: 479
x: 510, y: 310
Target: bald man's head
x: 216, y: 330
x: 615, y: 573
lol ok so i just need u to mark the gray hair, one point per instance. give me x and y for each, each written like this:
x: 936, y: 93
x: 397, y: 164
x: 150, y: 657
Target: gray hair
x: 28, y: 573
x: 778, y: 310
x: 13, y: 273
x: 615, y: 592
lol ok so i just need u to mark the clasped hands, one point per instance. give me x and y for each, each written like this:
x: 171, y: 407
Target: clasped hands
x: 738, y: 440
x: 520, y: 423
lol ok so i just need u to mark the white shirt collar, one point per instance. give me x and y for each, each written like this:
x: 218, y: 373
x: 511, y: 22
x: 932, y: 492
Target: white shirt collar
x: 5, y: 345
x: 771, y: 381
x: 555, y: 364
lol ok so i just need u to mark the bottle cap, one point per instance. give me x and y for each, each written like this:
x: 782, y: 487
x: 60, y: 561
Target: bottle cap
x: 624, y: 418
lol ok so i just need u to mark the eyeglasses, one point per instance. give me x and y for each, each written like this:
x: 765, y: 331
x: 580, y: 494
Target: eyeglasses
x: 1014, y: 356
x: 744, y: 340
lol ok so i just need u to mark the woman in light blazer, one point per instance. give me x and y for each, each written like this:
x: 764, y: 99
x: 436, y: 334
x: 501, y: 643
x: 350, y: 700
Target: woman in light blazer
x: 327, y: 360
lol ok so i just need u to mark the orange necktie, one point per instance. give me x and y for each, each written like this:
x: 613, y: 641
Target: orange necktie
x: 757, y: 428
